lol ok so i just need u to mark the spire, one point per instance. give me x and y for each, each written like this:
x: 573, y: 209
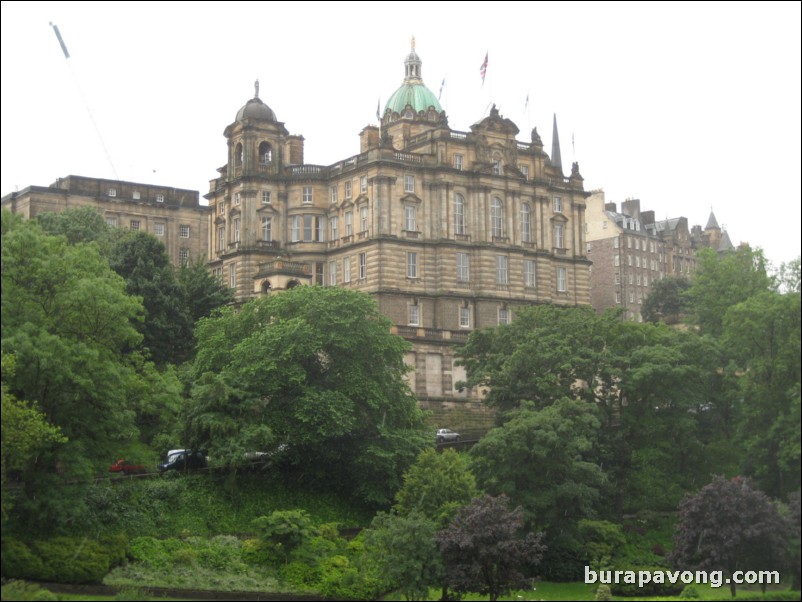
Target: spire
x: 712, y: 223
x: 256, y: 89
x: 556, y: 160
x: 412, y: 66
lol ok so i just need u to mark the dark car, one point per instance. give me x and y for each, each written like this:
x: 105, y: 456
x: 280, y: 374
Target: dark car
x: 182, y: 460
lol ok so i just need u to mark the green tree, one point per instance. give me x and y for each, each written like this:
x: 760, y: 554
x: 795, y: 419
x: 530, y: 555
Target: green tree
x: 167, y: 328
x: 723, y: 281
x: 436, y: 485
x: 81, y: 224
x: 285, y: 531
x: 403, y: 552
x: 541, y: 460
x: 729, y: 526
x: 762, y: 335
x: 203, y: 292
x: 484, y: 551
x: 316, y: 369
x: 666, y: 301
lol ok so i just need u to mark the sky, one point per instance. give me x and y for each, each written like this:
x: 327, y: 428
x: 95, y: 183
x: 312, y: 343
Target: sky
x: 686, y: 106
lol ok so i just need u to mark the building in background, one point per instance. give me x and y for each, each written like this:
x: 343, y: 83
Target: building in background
x: 173, y: 215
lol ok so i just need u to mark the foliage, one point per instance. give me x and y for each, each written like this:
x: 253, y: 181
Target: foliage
x: 666, y: 300
x: 728, y: 526
x: 794, y: 539
x: 285, y: 531
x: 78, y: 225
x: 601, y: 538
x: 22, y: 590
x: 482, y: 549
x: 436, y: 485
x: 142, y: 260
x: 540, y: 460
x: 652, y: 588
x: 763, y: 337
x: 603, y: 593
x: 317, y: 370
x: 403, y: 553
x: 723, y: 281
x: 203, y: 292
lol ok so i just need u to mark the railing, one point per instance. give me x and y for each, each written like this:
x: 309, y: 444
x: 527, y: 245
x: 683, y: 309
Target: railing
x: 436, y: 334
x: 462, y: 237
x: 459, y: 135
x: 303, y: 170
x: 409, y: 157
x: 283, y: 266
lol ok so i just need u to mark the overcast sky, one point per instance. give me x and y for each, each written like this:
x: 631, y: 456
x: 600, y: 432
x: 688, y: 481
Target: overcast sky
x: 685, y: 106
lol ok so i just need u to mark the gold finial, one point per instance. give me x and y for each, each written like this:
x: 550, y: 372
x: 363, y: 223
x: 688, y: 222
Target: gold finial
x: 413, y: 42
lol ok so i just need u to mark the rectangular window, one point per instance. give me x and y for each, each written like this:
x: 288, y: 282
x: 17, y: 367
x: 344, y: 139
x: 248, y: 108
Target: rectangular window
x: 561, y: 284
x: 237, y: 198
x: 629, y: 259
x: 333, y: 223
x: 183, y: 231
x: 637, y: 279
x: 615, y: 243
x: 112, y: 192
x: 616, y: 260
x: 618, y: 296
x: 637, y: 261
x: 409, y: 221
x: 501, y: 269
x: 347, y: 269
x: 112, y: 221
x: 617, y: 278
x: 503, y: 315
x: 218, y: 275
x: 464, y: 317
x: 222, y: 208
x: 136, y: 196
x: 414, y: 315
x: 348, y: 189
x: 232, y: 276
x: 525, y: 171
x: 183, y: 256
x: 221, y: 239
x: 558, y: 204
x: 135, y: 225
x: 307, y: 197
x: 349, y: 223
x: 295, y: 229
x: 630, y: 278
x: 412, y: 265
x: 409, y: 183
x: 363, y: 266
x: 363, y: 219
x: 267, y: 229
x: 463, y: 267
x: 458, y: 162
x: 333, y: 194
x: 497, y: 168
x: 158, y: 229
x: 629, y: 242
x: 363, y: 184
x: 529, y: 273
x: 159, y: 198
x: 236, y: 230
x: 266, y: 200
x: 332, y: 273
x: 559, y: 241
x: 309, y: 226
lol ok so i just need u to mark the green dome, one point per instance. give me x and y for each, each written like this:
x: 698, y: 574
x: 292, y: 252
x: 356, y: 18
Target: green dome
x: 416, y: 95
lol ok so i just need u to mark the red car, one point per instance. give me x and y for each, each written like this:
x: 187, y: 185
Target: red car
x: 127, y: 468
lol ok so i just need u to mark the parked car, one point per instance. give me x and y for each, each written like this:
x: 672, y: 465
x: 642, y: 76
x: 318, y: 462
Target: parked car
x: 183, y: 459
x: 446, y: 435
x: 127, y: 468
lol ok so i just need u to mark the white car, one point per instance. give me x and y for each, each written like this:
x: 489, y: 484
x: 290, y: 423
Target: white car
x: 446, y: 435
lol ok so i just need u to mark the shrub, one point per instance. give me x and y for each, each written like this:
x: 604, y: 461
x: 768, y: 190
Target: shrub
x: 648, y: 589
x: 689, y: 592
x: 22, y: 590
x: 300, y: 574
x: 72, y: 560
x: 603, y: 593
x: 19, y: 562
x: 132, y: 594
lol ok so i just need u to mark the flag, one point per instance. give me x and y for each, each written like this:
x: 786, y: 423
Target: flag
x: 526, y: 104
x: 378, y: 109
x: 441, y: 89
x: 483, y: 69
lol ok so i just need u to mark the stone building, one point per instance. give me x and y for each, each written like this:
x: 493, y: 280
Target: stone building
x: 173, y: 215
x: 630, y: 250
x: 448, y: 230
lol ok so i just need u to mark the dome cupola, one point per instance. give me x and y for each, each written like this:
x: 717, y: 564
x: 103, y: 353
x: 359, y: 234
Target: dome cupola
x: 412, y: 92
x: 255, y: 109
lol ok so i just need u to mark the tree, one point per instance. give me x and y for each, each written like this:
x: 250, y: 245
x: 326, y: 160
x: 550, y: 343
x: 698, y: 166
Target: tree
x: 436, y: 485
x: 203, y: 292
x: 723, y: 281
x: 762, y: 335
x: 315, y: 369
x: 483, y: 551
x: 666, y: 301
x: 403, y: 552
x: 167, y: 328
x: 81, y: 224
x: 541, y: 460
x: 728, y: 526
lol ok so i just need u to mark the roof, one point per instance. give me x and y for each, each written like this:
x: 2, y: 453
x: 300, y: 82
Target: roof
x: 412, y: 92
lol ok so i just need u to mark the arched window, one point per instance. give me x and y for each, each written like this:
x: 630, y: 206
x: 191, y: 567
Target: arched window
x: 238, y: 155
x: 497, y: 217
x: 459, y: 214
x: 266, y: 286
x: 526, y: 223
x: 265, y: 153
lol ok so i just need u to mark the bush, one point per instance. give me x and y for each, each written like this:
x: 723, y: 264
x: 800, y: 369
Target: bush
x: 22, y: 590
x: 603, y: 593
x: 72, y: 560
x: 19, y: 562
x: 300, y: 574
x: 648, y: 589
x: 690, y: 592
x: 132, y: 594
